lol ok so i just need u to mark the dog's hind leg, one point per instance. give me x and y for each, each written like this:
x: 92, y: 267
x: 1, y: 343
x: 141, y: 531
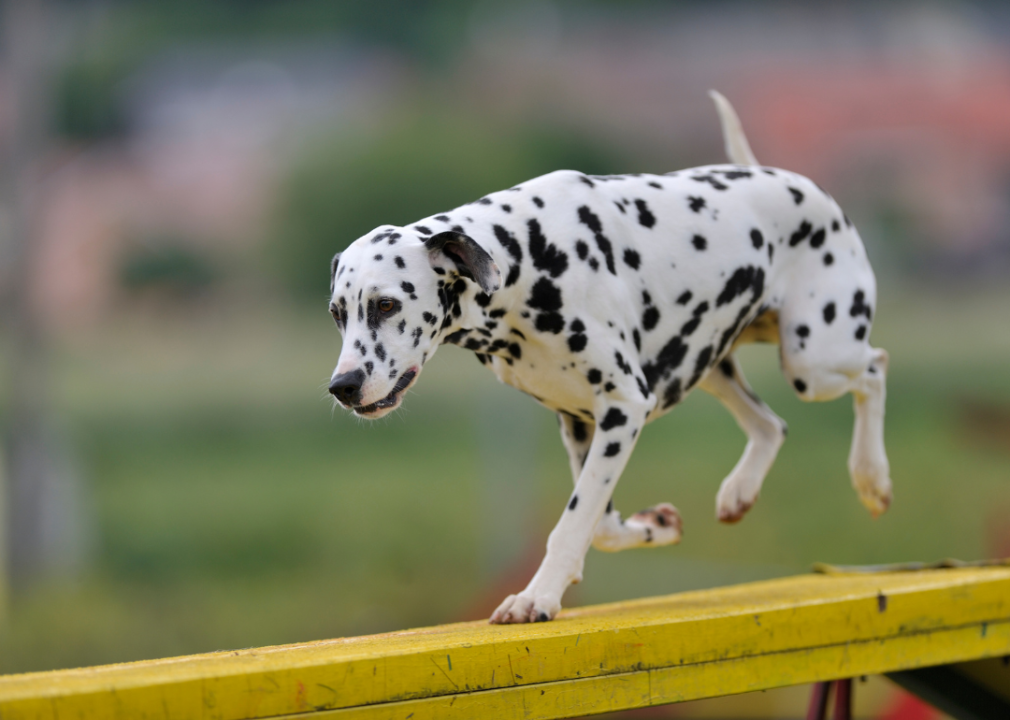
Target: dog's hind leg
x: 863, y: 372
x: 868, y: 465
x: 655, y: 526
x: 765, y: 433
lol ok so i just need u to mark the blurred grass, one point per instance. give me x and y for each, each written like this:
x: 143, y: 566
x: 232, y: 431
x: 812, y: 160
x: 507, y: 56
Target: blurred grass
x: 235, y: 509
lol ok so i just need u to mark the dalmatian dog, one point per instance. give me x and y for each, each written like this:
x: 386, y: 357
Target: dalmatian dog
x: 609, y: 299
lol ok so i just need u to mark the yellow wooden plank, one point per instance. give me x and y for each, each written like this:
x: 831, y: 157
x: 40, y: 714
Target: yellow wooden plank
x: 607, y: 693
x: 615, y: 647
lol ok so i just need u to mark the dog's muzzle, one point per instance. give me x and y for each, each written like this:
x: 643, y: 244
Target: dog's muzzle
x: 347, y: 389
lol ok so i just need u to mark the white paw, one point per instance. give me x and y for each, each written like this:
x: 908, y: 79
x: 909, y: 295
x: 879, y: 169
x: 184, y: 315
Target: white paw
x: 523, y: 608
x: 732, y: 503
x: 661, y: 523
x: 873, y: 483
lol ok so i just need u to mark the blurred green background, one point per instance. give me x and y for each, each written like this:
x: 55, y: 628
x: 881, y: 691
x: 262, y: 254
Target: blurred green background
x: 204, y: 160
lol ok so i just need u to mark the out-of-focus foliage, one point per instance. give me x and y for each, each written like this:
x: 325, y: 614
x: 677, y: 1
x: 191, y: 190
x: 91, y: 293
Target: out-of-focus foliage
x: 167, y: 265
x: 118, y: 40
x: 424, y: 164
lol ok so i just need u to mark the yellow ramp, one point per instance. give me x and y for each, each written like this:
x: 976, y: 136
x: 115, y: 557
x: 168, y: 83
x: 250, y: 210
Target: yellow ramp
x: 589, y: 660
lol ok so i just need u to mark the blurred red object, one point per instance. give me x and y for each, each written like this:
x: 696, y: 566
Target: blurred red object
x: 905, y: 706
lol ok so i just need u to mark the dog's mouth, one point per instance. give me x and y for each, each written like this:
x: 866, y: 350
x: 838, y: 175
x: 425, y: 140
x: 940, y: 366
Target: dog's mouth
x: 392, y: 399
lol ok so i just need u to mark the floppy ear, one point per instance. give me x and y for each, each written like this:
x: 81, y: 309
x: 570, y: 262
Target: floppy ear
x: 333, y: 271
x: 472, y: 261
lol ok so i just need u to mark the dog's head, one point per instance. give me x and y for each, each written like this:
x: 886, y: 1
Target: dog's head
x: 394, y: 294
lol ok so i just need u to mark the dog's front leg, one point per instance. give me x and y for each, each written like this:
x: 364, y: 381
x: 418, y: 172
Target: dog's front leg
x: 617, y: 427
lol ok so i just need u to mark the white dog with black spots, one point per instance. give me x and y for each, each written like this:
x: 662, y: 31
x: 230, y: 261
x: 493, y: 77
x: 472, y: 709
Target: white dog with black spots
x: 610, y: 298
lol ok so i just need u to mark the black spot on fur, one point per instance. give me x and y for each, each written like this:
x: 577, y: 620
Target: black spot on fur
x: 690, y: 326
x: 801, y: 387
x: 513, y: 248
x: 743, y: 279
x: 699, y: 242
x: 645, y: 216
x: 407, y: 287
x: 545, y: 296
x: 590, y: 220
x: 637, y: 338
x: 581, y: 249
x: 579, y: 430
x: 756, y: 238
x: 685, y: 297
x: 727, y: 368
x: 817, y: 239
x: 612, y: 449
x: 632, y: 259
x: 507, y: 208
x: 801, y: 234
x: 669, y: 359
x: 860, y: 332
x: 550, y: 322
x: 859, y: 306
x: 803, y: 331
x: 573, y: 502
x: 516, y: 351
x: 609, y: 386
x: 577, y: 343
x: 621, y: 363
x: 700, y: 365
x: 538, y: 202
x: 402, y: 326
x: 613, y: 418
x: 642, y: 387
x: 399, y: 262
x: 672, y: 394
x: 835, y: 226
x: 797, y: 195
x: 380, y: 352
x: 546, y: 256
x: 829, y: 313
x: 828, y: 258
x: 711, y: 181
x: 649, y: 318
x: 696, y: 203
x: 594, y: 376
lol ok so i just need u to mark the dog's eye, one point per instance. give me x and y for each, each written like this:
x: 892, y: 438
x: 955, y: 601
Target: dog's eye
x: 386, y: 305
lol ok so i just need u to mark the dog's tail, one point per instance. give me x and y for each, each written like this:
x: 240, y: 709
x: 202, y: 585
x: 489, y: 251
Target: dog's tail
x: 737, y: 146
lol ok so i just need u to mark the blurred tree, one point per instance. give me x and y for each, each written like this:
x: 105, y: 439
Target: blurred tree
x: 41, y: 495
x: 344, y: 186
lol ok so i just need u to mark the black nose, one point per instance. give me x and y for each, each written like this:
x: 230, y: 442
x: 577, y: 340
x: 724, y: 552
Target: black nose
x: 347, y: 387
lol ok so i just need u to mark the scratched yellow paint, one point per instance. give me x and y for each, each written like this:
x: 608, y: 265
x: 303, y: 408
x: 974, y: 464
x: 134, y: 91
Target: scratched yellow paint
x: 594, y: 659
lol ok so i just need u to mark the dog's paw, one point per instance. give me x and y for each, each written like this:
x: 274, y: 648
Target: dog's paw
x: 874, y: 487
x: 731, y: 505
x: 523, y: 608
x: 661, y: 523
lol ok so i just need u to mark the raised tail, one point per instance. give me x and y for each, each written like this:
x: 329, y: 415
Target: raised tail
x: 737, y: 146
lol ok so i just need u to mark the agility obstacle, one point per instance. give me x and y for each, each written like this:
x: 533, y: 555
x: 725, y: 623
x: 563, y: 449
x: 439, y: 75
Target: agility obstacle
x: 943, y: 633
